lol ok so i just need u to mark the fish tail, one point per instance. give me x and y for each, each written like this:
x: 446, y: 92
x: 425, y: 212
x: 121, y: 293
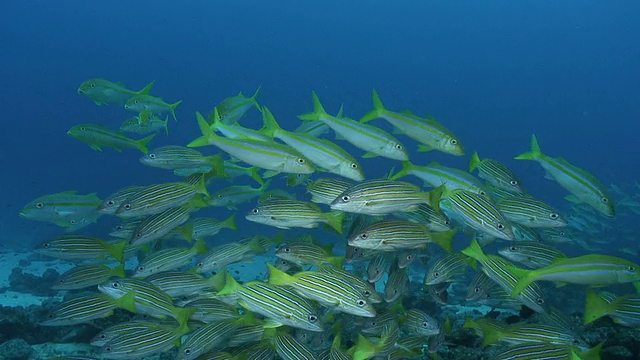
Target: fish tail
x: 336, y: 261
x: 279, y: 277
x: 434, y: 197
x: 201, y: 186
x: 364, y: 349
x: 186, y: 231
x: 231, y: 286
x: 335, y: 219
x: 173, y: 109
x: 535, y: 152
x: 444, y: 239
x: 490, y: 335
x: 200, y: 247
x: 230, y: 222
x: 378, y: 108
x: 217, y: 163
x: 474, y: 162
x: 265, y: 186
x: 595, y: 307
x: 142, y: 143
x: 474, y: 250
x: 525, y: 278
x: 255, y: 175
x: 219, y: 280
x: 118, y: 271
x: 117, y: 250
x: 166, y: 125
x: 147, y: 89
x: 127, y: 302
x: 406, y: 168
x: 318, y: 111
x: 270, y: 123
x: 206, y: 130
x: 182, y: 316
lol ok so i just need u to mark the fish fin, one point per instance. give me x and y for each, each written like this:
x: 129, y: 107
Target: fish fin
x: 636, y: 285
x: 206, y: 130
x: 146, y: 89
x: 270, y: 173
x: 271, y: 324
x: 95, y: 147
x: 404, y: 171
x: 231, y: 286
x: 474, y: 162
x: 186, y: 231
x: 364, y: 349
x: 525, y: 278
x: 444, y: 239
x: 217, y: 164
x: 270, y: 123
x: 572, y: 198
x: 173, y: 109
x: 424, y: 148
x: 279, y: 277
x: 335, y: 219
x: 340, y: 111
x: 200, y: 247
x: 127, y: 302
x: 219, y: 280
x: 340, y: 137
x: 117, y: 250
x: 595, y: 307
x: 378, y: 108
x: 255, y: 175
x: 318, y: 111
x: 118, y: 271
x: 142, y: 143
x: 166, y: 125
x: 490, y: 335
x: 230, y: 222
x: 474, y: 251
x: 369, y: 155
x: 336, y: 261
x: 535, y: 152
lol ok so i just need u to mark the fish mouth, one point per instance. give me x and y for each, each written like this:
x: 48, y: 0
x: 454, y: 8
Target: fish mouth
x: 80, y: 91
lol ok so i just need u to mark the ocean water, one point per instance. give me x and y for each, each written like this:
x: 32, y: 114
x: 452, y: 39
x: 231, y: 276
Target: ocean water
x: 492, y: 72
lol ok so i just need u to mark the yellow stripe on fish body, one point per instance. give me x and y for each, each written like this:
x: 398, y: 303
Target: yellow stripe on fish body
x: 425, y: 214
x: 436, y: 175
x: 577, y: 181
x: 427, y: 131
x: 267, y: 155
x: 291, y: 349
x: 156, y: 198
x: 280, y: 305
x: 531, y: 253
x: 479, y: 213
x: 325, y: 288
x: 148, y: 299
x: 288, y: 213
x: 381, y: 197
x: 174, y: 157
x: 325, y: 190
x: 212, y: 335
x: 321, y: 152
x: 111, y: 204
x: 81, y: 310
x: 496, y: 174
x: 363, y: 136
x: 446, y: 269
x: 221, y: 256
x: 168, y: 259
x: 156, y: 226
x: 138, y: 342
x: 308, y: 253
x: 367, y: 290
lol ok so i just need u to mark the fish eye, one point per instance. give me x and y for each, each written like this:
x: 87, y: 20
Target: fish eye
x: 631, y: 268
x: 425, y: 324
x: 103, y: 336
x: 115, y: 285
x: 513, y: 182
x: 346, y: 198
x: 139, y: 235
x: 72, y: 222
x: 219, y: 196
x: 187, y: 351
x: 605, y: 200
x: 301, y: 161
x: 110, y: 202
x: 553, y: 215
x: 45, y: 245
x: 119, y: 227
x: 500, y: 226
x: 540, y: 301
x: 366, y: 293
x: 354, y: 165
x: 364, y: 235
x: 61, y: 281
x: 477, y: 290
x: 482, y: 192
x: 453, y: 141
x: 398, y: 146
x: 561, y: 233
x: 436, y: 274
x: 127, y: 206
x: 513, y: 248
x: 409, y: 257
x: 255, y: 211
x: 107, y: 349
x: 82, y: 128
x: 287, y: 249
x: 39, y: 205
x: 93, y: 85
x: 152, y: 156
x: 140, y: 268
x: 313, y: 318
x: 447, y: 222
x: 361, y: 302
x: 136, y: 101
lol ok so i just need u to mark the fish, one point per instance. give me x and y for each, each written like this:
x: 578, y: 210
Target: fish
x: 221, y: 256
x: 379, y: 266
x: 478, y: 212
x: 174, y: 157
x: 580, y: 183
x: 623, y: 310
x: 142, y: 340
x: 80, y: 247
x: 543, y: 350
x: 233, y: 108
x: 427, y: 131
x: 145, y: 123
x: 84, y: 276
x: 84, y: 309
x: 291, y: 349
x: 203, y: 227
x: 168, y: 259
x: 212, y: 335
x: 325, y: 190
x: 447, y: 269
x: 434, y: 220
x: 496, y: 173
x: 234, y: 170
x: 397, y: 284
x: 278, y: 304
x: 138, y: 103
x: 111, y: 204
x: 304, y: 253
x: 381, y: 197
x: 234, y: 195
x: 267, y: 155
x: 327, y: 289
x: 591, y: 269
x: 531, y: 254
x: 322, y: 153
x: 286, y: 213
x: 392, y: 235
x: 98, y: 136
x: 60, y: 208
x: 156, y: 198
x: 373, y: 140
x: 104, y: 92
x: 434, y: 175
x: 366, y: 288
x: 234, y: 130
x: 530, y: 212
x: 418, y: 322
x: 158, y: 225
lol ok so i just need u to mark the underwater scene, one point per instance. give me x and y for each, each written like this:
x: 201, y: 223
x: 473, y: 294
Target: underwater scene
x: 320, y: 180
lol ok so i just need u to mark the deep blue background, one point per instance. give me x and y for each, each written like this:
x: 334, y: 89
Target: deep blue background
x: 492, y: 72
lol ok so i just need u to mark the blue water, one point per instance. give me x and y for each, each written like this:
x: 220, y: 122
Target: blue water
x: 492, y: 72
